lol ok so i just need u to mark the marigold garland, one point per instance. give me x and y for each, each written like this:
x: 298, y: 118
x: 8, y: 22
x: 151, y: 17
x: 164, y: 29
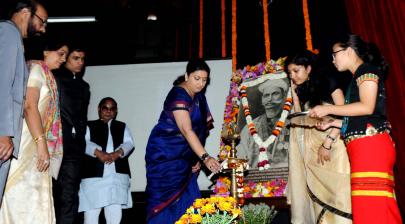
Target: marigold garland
x: 308, y: 36
x: 201, y: 51
x: 266, y: 30
x: 233, y: 98
x: 223, y: 29
x: 263, y: 162
x: 234, y: 37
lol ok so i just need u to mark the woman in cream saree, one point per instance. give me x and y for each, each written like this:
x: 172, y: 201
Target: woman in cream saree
x: 28, y: 192
x: 319, y: 169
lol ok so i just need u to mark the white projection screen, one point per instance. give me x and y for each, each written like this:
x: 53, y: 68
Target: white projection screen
x: 140, y: 90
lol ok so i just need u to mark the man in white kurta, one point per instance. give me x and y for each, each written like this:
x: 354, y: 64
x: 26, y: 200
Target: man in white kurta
x: 110, y: 188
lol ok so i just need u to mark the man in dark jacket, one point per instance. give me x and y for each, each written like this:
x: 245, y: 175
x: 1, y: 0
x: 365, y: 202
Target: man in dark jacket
x: 74, y: 100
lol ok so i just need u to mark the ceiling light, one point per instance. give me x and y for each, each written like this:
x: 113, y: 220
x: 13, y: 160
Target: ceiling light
x: 152, y: 17
x: 79, y: 19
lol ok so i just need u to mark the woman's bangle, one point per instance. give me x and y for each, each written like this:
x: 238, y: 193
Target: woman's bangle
x: 40, y: 137
x: 323, y: 146
x: 334, y: 139
x: 204, y: 156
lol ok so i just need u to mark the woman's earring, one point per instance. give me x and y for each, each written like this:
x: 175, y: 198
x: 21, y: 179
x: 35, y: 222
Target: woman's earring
x: 185, y: 77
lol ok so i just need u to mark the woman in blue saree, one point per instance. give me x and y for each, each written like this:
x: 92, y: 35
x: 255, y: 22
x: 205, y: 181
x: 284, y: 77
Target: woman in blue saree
x: 176, y: 147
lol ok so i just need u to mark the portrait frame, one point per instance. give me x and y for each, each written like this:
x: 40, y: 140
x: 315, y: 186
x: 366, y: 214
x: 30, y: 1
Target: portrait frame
x: 257, y: 181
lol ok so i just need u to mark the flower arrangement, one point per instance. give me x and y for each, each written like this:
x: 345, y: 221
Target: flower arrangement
x: 273, y: 188
x: 257, y: 214
x: 213, y: 210
x: 222, y: 186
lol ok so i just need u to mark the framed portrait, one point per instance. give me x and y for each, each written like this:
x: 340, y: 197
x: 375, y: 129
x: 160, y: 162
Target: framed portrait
x: 266, y: 98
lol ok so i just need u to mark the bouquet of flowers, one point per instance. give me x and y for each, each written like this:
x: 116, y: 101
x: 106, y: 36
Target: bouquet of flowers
x: 213, y: 210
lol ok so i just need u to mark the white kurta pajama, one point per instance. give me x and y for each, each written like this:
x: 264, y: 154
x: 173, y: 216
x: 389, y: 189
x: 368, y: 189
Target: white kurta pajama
x: 111, y: 189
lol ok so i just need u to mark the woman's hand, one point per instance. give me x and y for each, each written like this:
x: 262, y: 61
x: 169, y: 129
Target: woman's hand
x: 196, y: 168
x: 212, y: 164
x: 293, y: 86
x: 43, y: 156
x: 319, y: 111
x: 324, y: 124
x: 327, y: 123
x: 323, y: 153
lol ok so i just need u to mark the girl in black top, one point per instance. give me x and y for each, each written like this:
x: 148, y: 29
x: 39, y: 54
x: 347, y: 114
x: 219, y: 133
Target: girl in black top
x: 366, y: 131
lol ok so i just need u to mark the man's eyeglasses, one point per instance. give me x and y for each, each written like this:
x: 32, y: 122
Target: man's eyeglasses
x: 335, y: 52
x: 105, y: 108
x: 44, y: 22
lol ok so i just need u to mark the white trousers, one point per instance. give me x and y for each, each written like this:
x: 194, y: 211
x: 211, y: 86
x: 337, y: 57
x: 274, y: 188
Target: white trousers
x: 112, y: 213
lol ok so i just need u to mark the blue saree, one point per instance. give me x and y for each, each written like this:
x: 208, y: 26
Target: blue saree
x: 171, y: 185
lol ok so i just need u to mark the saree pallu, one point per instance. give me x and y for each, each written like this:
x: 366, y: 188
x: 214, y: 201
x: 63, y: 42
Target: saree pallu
x: 373, y: 198
x: 317, y: 193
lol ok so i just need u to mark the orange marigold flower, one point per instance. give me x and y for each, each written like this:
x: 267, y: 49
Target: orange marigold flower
x: 208, y: 208
x: 236, y: 212
x: 279, y: 124
x: 199, y: 203
x: 196, y: 218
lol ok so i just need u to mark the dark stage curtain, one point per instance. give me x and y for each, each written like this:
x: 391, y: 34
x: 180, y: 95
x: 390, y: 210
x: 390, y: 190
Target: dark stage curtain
x: 383, y: 22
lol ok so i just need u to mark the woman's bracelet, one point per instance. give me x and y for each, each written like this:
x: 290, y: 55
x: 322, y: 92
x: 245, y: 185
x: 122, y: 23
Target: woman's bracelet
x: 323, y: 146
x: 40, y: 137
x: 204, y: 156
x: 334, y: 139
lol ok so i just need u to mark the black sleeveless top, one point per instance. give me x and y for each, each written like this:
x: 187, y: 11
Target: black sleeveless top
x: 357, y: 125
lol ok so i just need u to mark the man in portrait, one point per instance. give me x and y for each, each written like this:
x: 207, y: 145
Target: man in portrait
x: 271, y: 95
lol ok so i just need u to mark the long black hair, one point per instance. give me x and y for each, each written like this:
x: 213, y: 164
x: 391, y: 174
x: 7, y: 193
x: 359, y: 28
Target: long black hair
x: 193, y: 65
x: 310, y: 90
x: 368, y: 52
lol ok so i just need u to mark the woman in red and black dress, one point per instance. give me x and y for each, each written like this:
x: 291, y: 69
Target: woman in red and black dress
x: 365, y: 130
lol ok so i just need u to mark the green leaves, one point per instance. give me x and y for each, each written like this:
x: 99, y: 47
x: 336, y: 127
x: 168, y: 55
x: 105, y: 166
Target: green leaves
x: 257, y: 214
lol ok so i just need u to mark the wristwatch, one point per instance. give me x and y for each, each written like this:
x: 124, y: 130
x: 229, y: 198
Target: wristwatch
x: 204, y: 156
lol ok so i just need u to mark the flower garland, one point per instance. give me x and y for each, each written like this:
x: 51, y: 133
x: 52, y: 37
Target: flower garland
x: 266, y: 29
x: 308, y: 36
x: 234, y: 36
x: 201, y: 41
x: 233, y: 99
x: 263, y: 162
x: 223, y: 29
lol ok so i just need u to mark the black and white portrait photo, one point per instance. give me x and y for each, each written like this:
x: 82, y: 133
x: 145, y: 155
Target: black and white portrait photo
x: 266, y: 99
